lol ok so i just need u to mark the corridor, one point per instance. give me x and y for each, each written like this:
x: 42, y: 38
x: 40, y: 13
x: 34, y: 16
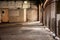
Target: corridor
x: 29, y: 19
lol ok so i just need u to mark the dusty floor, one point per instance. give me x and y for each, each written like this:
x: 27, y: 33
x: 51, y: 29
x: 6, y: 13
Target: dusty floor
x: 18, y: 32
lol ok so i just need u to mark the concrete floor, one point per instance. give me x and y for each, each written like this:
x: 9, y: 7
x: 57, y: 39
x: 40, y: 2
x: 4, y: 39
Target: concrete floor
x: 19, y: 32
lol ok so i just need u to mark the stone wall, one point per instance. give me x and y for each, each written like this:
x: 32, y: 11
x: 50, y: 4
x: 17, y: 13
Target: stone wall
x: 50, y: 16
x: 40, y: 14
x: 58, y: 18
x: 11, y: 4
x: 32, y: 14
x: 16, y: 12
x: 16, y: 15
x: 59, y: 28
x: 58, y: 25
x: 53, y: 16
x: 53, y: 22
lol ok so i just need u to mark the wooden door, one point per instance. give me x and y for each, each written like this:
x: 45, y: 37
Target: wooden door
x: 4, y: 15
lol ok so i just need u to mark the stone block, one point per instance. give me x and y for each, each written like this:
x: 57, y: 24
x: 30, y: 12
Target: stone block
x: 32, y: 14
x: 3, y: 4
x: 16, y: 15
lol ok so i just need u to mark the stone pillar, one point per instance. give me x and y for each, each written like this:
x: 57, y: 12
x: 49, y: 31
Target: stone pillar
x: 58, y: 17
x: 25, y: 6
x: 24, y: 14
x: 58, y: 25
x: 48, y: 15
x: 40, y: 14
x: 53, y: 16
x: 0, y: 15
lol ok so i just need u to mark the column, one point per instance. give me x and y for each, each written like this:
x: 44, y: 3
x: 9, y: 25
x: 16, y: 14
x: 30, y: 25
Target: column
x: 24, y: 14
x: 0, y: 16
x: 25, y: 6
x: 40, y: 14
x: 53, y: 17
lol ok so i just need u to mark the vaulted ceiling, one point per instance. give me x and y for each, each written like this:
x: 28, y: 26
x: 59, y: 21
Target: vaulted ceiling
x: 37, y: 1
